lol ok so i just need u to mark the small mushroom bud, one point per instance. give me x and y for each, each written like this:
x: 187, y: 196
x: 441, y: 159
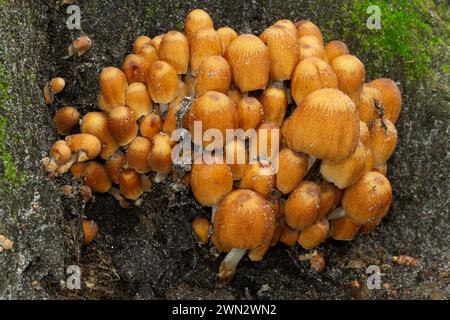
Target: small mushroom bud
x: 234, y: 94
x: 364, y: 135
x: 307, y: 28
x: 289, y: 25
x: 156, y: 41
x: 138, y: 99
x: 367, y: 104
x: 311, y: 75
x: 96, y: 123
x: 60, y: 154
x: 114, y: 166
x: 214, y: 74
x: 310, y: 47
x: 140, y: 42
x: 390, y: 97
x: 174, y: 49
x: 54, y: 86
x: 330, y: 196
x: 250, y: 113
x: 136, y: 68
x: 196, y: 20
x: 150, y: 125
x: 334, y: 49
x: 288, y: 235
x: 137, y: 154
x: 80, y: 46
x: 160, y: 158
x: 350, y: 73
x: 215, y: 111
x: 226, y: 35
x: 325, y: 125
x: 149, y: 53
x: 383, y: 140
x: 96, y: 177
x: 90, y: 231
x: 163, y: 82
x: 201, y: 227
x: 113, y: 86
x: 293, y: 167
x: 211, y: 182
x: 302, y: 206
x: 283, y: 51
x: 344, y: 173
x: 204, y: 43
x: 122, y: 125
x: 66, y: 119
x: 237, y: 157
x: 343, y: 229
x: 274, y: 101
x: 249, y: 59
x: 84, y: 146
x: 130, y: 184
x: 314, y: 235
x: 255, y: 179
x: 244, y: 220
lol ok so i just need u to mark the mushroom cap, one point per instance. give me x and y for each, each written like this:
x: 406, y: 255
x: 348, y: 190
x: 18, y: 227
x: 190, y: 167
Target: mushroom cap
x: 211, y: 182
x: 236, y: 157
x: 149, y: 53
x: 96, y: 177
x: 310, y: 75
x: 136, y: 68
x: 344, y: 173
x: 96, y: 123
x: 302, y: 206
x: 324, y: 125
x: 390, y: 97
x: 381, y: 169
x: 226, y: 35
x: 250, y: 113
x: 249, y: 59
x: 138, y: 99
x: 383, y: 140
x: 77, y: 170
x: 283, y: 51
x: 86, y: 143
x: 368, y: 228
x: 368, y: 199
x: 130, y: 184
x: 267, y: 132
x: 234, y: 94
x: 255, y: 179
x: 274, y: 101
x: 350, y: 73
x: 60, y: 152
x: 156, y: 41
x: 292, y: 168
x: 174, y: 49
x: 137, y: 154
x: 160, y: 158
x: 307, y: 28
x: 288, y: 235
x: 113, y: 86
x: 214, y: 74
x: 314, y: 235
x: 122, y: 125
x: 328, y: 199
x: 343, y: 229
x: 90, y: 231
x: 150, y: 125
x: 196, y: 19
x: 244, y: 220
x: 57, y: 85
x: 162, y: 82
x: 204, y: 43
x: 334, y: 49
x: 310, y: 46
x: 367, y: 104
x: 201, y: 226
x: 140, y: 42
x: 66, y: 119
x: 288, y: 24
x: 114, y: 166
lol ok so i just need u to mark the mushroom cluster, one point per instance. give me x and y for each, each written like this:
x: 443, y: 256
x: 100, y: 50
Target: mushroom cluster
x: 336, y: 132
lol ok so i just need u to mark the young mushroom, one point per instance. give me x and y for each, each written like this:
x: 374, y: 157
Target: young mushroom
x: 350, y: 73
x: 84, y: 146
x: 367, y: 104
x: 314, y: 235
x: 383, y: 140
x: 122, y: 125
x: 226, y: 35
x: 288, y: 24
x: 96, y: 177
x: 80, y: 46
x: 163, y: 84
x: 250, y: 113
x: 113, y: 87
x: 138, y: 99
x: 201, y: 227
x: 53, y: 87
x: 137, y: 155
x: 140, y: 42
x: 196, y: 20
x: 254, y: 178
x: 174, y: 49
x: 66, y: 119
x: 204, y: 43
x: 136, y: 68
x: 274, y: 101
x: 244, y: 220
x: 60, y: 154
x: 236, y: 157
x: 343, y: 229
x: 310, y: 47
x: 307, y: 28
x: 90, y: 231
x: 131, y: 184
x: 292, y: 168
x: 160, y: 157
x: 149, y: 53
x: 114, y: 166
x: 334, y: 49
x: 156, y: 41
x: 214, y: 74
x: 330, y: 197
x: 390, y: 97
x: 150, y: 125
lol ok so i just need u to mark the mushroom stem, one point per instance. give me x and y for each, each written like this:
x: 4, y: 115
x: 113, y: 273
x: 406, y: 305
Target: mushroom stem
x: 213, y: 213
x: 163, y: 107
x: 337, y: 213
x: 311, y: 162
x: 229, y: 264
x: 159, y: 177
x: 278, y: 84
x: 116, y: 194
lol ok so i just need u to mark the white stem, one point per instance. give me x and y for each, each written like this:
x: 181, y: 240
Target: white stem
x: 159, y: 177
x: 163, y: 107
x: 213, y: 213
x: 311, y: 161
x: 229, y: 264
x: 337, y: 213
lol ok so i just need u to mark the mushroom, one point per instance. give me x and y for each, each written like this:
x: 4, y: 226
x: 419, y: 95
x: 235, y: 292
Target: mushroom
x: 383, y: 140
x: 149, y: 53
x: 314, y: 235
x: 244, y: 220
x: 77, y: 170
x: 268, y: 140
x: 288, y: 24
x: 325, y: 125
x: 156, y: 41
x: 150, y: 125
x: 96, y: 123
x: 310, y: 46
x: 288, y: 235
x: 368, y: 228
x: 96, y: 177
x: 113, y: 87
x: 250, y: 113
x: 174, y: 49
x: 283, y: 51
x: 114, y: 166
x: 160, y: 157
x: 256, y: 179
x: 136, y: 68
x: 302, y: 206
x: 334, y: 49
x: 234, y: 94
x: 122, y: 125
x: 310, y: 75
x: 343, y: 229
x: 90, y: 231
x: 162, y: 84
x: 236, y: 157
x: 60, y: 154
x: 196, y: 20
x: 138, y: 99
x: 226, y: 35
x: 66, y: 119
x: 274, y: 101
x: 80, y: 46
x: 204, y: 43
x: 307, y: 28
x: 214, y: 74
x: 140, y: 42
x: 84, y: 146
x: 368, y: 104
x: 54, y: 86
x: 131, y: 184
x: 292, y: 168
x: 350, y: 73
x: 381, y: 169
x: 201, y: 227
x: 364, y: 135
x: 330, y: 197
x: 249, y: 59
x: 390, y: 97
x: 137, y: 155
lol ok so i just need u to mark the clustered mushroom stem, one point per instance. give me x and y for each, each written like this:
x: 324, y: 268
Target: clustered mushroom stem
x: 159, y: 177
x: 163, y: 107
x: 213, y: 213
x: 229, y: 264
x: 336, y: 214
x: 311, y: 162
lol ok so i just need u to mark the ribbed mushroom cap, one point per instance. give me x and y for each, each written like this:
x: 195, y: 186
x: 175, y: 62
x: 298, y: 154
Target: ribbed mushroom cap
x: 255, y: 179
x: 174, y: 49
x: 292, y: 169
x: 310, y: 46
x: 196, y: 20
x: 343, y: 229
x: 368, y: 199
x: 390, y: 97
x: 66, y: 119
x: 350, y: 73
x: 324, y: 125
x: 204, y: 43
x: 366, y: 106
x: 87, y: 145
x: 334, y: 49
x: 130, y: 184
x: 250, y: 113
x: 383, y: 140
x: 96, y: 177
x: 138, y: 99
x: 307, y: 28
x: 244, y: 220
x: 113, y: 86
x: 160, y: 158
x: 268, y: 140
x: 314, y: 235
x: 236, y: 157
x: 122, y: 125
x: 136, y: 68
x: 249, y: 59
x: 226, y: 35
x: 162, y: 82
x: 310, y: 75
x: 137, y: 154
x: 274, y: 101
x: 214, y: 74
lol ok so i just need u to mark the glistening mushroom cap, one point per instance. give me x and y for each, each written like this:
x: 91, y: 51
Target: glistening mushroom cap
x: 174, y: 49
x: 137, y: 154
x: 136, y: 68
x: 204, y: 43
x: 383, y: 140
x: 314, y: 235
x: 343, y: 229
x: 96, y: 177
x: 122, y: 125
x: 138, y: 99
x: 292, y: 169
x: 226, y: 35
x: 310, y: 46
x: 250, y: 113
x: 350, y: 73
x: 214, y: 74
x: 66, y: 119
x: 140, y: 42
x: 113, y: 86
x: 307, y: 28
x: 274, y: 101
x: 390, y: 97
x: 255, y: 179
x: 196, y: 20
x: 87, y: 146
x: 334, y: 49
x: 130, y: 184
x: 162, y: 82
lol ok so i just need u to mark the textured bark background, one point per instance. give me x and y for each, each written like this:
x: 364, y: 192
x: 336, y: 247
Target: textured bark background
x: 150, y: 252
